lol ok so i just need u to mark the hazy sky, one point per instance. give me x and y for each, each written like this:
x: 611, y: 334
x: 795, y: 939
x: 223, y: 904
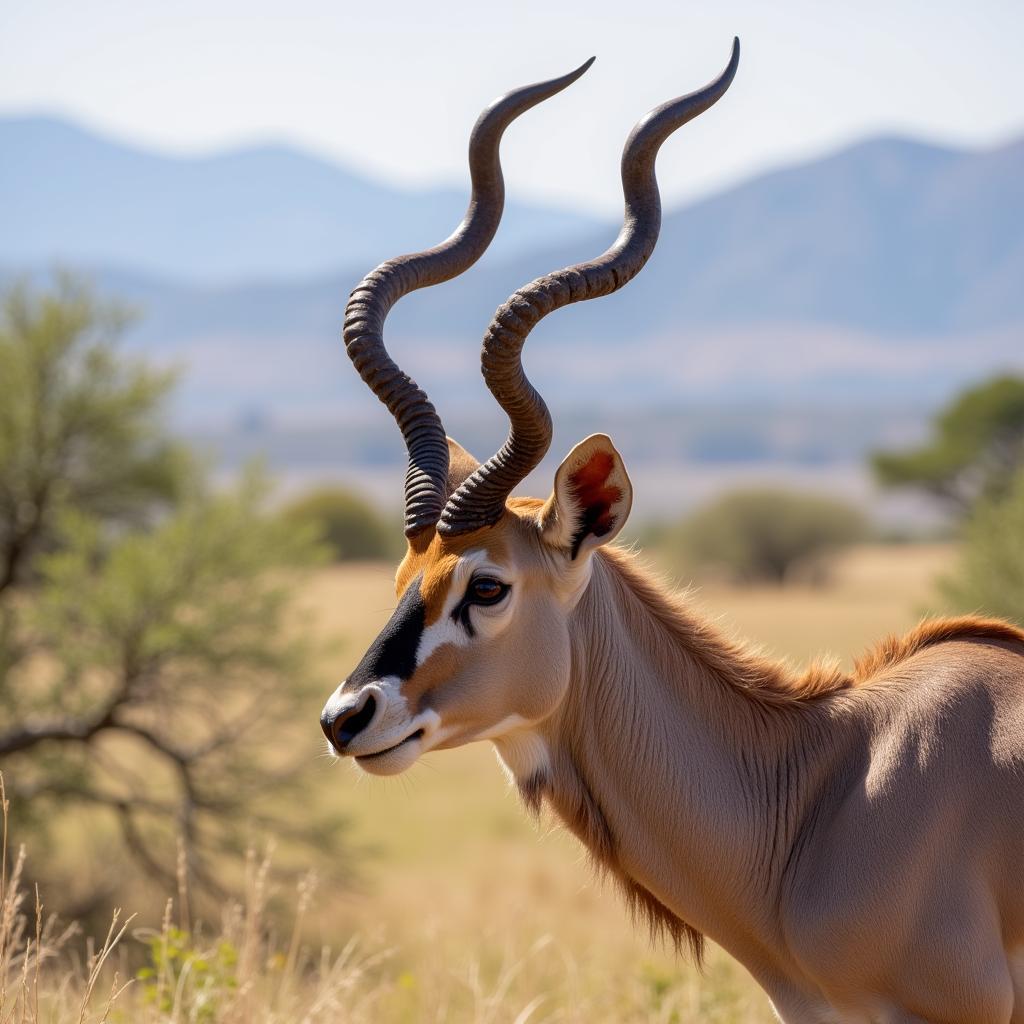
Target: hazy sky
x: 392, y: 88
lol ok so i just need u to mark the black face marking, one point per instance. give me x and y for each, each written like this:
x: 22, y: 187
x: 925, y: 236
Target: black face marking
x: 460, y: 613
x: 393, y: 653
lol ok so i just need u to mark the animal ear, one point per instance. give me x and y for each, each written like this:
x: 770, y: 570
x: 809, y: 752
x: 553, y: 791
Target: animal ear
x: 591, y: 500
x: 461, y: 465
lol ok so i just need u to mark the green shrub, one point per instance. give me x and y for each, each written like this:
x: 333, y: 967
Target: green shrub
x: 351, y: 527
x: 764, y: 534
x: 990, y: 576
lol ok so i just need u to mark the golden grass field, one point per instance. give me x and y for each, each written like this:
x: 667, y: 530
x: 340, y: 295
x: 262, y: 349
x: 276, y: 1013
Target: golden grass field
x: 461, y: 908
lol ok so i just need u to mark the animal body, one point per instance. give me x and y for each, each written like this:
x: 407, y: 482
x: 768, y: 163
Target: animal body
x: 856, y: 840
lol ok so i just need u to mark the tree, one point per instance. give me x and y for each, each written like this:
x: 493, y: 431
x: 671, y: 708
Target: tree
x: 977, y: 445
x: 763, y: 534
x: 144, y: 654
x: 351, y: 528
x: 79, y: 427
x: 990, y: 575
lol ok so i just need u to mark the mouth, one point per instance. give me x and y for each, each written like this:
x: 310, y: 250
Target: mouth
x: 411, y: 738
x: 387, y: 747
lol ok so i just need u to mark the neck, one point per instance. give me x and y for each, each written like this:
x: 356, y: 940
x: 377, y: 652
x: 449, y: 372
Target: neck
x: 686, y: 764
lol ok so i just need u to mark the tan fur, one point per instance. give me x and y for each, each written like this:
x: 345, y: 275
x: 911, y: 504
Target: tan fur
x: 749, y: 672
x: 784, y: 731
x: 855, y: 839
x: 461, y: 464
x: 441, y: 666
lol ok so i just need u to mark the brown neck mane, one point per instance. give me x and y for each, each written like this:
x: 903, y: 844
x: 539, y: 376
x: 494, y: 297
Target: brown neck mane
x: 660, y: 698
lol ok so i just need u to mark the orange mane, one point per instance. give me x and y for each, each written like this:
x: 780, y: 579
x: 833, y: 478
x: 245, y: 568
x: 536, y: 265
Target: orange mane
x: 895, y: 649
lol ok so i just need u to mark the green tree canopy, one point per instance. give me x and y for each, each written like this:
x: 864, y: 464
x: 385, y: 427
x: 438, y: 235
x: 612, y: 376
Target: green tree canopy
x: 147, y: 660
x: 79, y: 425
x: 977, y: 445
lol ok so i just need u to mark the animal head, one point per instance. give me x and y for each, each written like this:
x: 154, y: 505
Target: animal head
x: 479, y: 644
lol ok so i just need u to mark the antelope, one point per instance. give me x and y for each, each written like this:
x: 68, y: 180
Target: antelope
x: 854, y: 839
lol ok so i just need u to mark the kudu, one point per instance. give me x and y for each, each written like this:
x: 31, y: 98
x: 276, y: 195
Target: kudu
x: 855, y: 840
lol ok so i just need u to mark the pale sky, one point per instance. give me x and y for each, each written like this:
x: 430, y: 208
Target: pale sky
x: 392, y: 88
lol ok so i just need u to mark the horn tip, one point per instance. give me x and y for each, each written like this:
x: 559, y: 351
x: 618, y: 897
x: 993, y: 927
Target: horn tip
x: 734, y: 57
x: 724, y: 80
x: 579, y: 72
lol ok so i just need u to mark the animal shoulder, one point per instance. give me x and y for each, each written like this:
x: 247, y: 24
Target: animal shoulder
x: 895, y: 649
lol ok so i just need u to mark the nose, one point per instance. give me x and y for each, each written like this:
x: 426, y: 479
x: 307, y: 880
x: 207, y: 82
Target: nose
x: 342, y: 727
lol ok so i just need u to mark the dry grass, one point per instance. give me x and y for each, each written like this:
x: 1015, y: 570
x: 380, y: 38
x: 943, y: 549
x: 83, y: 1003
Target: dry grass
x: 234, y: 976
x: 462, y: 909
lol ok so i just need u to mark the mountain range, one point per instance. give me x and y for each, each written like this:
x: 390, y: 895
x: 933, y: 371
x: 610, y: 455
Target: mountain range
x: 890, y: 271
x: 267, y: 211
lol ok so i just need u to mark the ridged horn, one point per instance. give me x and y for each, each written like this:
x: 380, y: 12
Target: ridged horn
x: 480, y: 501
x: 373, y: 298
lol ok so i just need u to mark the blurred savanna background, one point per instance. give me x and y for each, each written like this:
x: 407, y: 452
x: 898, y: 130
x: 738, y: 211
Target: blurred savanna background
x: 817, y: 385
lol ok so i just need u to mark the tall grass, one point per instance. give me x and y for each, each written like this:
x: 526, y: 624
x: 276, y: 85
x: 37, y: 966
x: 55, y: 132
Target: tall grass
x: 244, y: 972
x: 237, y: 974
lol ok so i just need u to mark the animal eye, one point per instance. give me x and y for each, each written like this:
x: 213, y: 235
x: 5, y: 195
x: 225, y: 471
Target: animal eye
x: 487, y: 590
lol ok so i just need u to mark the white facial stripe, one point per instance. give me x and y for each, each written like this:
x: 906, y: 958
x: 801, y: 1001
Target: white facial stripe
x: 447, y: 630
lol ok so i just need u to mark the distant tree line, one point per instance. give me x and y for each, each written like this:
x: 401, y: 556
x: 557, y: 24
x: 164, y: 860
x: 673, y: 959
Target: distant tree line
x: 762, y: 535
x: 972, y: 464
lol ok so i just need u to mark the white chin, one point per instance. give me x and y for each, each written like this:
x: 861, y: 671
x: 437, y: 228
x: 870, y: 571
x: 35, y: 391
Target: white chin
x: 391, y: 762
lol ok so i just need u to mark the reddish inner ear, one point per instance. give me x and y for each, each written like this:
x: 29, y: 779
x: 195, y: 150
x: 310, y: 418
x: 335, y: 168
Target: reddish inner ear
x: 595, y: 497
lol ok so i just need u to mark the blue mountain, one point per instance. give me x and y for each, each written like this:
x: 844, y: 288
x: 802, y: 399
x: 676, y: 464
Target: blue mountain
x: 891, y: 270
x: 67, y: 195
